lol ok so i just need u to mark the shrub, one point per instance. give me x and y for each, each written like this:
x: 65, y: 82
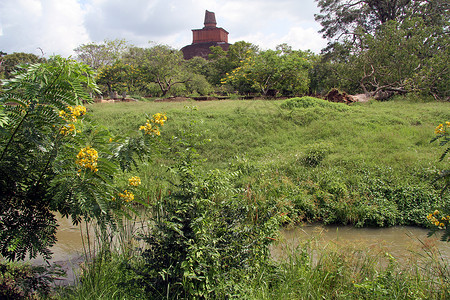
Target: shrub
x: 307, y: 102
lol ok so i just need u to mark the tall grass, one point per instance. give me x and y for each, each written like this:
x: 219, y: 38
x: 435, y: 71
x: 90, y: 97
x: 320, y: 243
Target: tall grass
x: 375, y: 132
x: 369, y: 164
x: 339, y: 271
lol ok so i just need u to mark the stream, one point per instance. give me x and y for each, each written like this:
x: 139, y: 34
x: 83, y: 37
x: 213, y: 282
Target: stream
x: 400, y: 241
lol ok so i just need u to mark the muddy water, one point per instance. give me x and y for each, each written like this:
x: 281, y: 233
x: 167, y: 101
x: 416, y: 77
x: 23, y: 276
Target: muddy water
x: 400, y: 241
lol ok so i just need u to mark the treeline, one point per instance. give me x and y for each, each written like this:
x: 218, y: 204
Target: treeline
x: 161, y: 70
x: 376, y: 47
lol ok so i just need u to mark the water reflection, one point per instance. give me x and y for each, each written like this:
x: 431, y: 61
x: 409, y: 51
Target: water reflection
x: 400, y: 241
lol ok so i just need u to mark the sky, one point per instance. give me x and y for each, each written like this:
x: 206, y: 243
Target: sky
x: 59, y: 26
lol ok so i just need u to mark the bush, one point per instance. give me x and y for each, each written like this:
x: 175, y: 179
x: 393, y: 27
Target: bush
x: 307, y: 102
x: 201, y: 233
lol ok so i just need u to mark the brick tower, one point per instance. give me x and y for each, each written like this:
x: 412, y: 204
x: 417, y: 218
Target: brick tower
x: 208, y: 36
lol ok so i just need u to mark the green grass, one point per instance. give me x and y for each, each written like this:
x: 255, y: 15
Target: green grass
x: 368, y: 164
x: 394, y: 133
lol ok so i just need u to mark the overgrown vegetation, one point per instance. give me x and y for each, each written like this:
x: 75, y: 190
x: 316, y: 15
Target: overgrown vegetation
x: 189, y: 212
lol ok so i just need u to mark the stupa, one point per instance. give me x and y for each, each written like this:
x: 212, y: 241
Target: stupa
x: 204, y: 38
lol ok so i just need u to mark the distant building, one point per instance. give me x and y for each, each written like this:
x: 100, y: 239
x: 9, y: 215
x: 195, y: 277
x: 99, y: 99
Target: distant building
x: 208, y: 36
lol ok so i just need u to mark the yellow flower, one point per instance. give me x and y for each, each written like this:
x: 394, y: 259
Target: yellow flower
x: 149, y: 129
x: 66, y: 129
x: 87, y: 158
x: 134, y: 181
x: 439, y: 129
x: 436, y: 212
x: 441, y: 225
x: 159, y: 119
x: 72, y: 113
x: 127, y: 196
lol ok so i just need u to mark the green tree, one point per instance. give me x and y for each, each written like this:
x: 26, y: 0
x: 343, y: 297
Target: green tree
x: 383, y: 47
x: 348, y: 18
x: 284, y: 70
x: 404, y: 57
x: 161, y: 65
x: 10, y: 63
x: 98, y: 55
x: 119, y: 77
x: 29, y: 145
x: 224, y: 62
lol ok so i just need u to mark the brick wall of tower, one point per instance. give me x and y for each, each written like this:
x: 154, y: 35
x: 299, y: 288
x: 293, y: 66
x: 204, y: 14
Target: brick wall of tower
x: 209, y: 34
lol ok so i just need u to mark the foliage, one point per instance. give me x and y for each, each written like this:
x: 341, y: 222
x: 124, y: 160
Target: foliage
x: 25, y: 281
x: 119, y: 77
x: 383, y: 47
x: 404, y: 57
x: 224, y: 62
x: 438, y: 220
x: 343, y: 19
x: 314, y: 270
x: 100, y: 55
x: 29, y: 145
x: 202, y: 232
x: 443, y: 136
x: 10, y: 63
x: 160, y: 64
x: 53, y: 161
x: 285, y: 72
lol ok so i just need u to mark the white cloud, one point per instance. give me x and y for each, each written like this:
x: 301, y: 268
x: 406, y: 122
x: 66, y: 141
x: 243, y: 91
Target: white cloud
x: 55, y: 26
x: 59, y: 26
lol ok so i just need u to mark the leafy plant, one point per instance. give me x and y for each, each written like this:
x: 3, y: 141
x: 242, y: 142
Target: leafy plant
x: 201, y: 232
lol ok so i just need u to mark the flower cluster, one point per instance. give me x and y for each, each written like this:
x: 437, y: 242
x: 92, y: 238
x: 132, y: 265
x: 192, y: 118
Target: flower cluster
x: 71, y: 116
x: 438, y: 221
x: 134, y: 181
x: 127, y: 196
x: 151, y: 127
x: 73, y: 113
x: 159, y: 119
x: 87, y: 158
x: 67, y: 129
x: 440, y: 129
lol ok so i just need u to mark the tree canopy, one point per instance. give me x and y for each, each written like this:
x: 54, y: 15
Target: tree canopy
x: 381, y: 47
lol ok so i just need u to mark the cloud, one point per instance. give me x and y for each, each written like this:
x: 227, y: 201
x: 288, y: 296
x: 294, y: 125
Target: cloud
x: 59, y: 26
x: 139, y: 20
x: 53, y: 25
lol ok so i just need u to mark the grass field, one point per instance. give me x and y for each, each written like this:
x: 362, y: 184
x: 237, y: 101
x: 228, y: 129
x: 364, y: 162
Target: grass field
x: 368, y: 164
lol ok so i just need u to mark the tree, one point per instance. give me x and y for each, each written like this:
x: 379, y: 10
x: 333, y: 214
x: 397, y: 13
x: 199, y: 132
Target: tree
x: 9, y: 63
x: 224, y: 62
x: 284, y: 71
x: 404, y: 57
x: 383, y: 47
x: 29, y: 146
x: 119, y: 76
x: 162, y: 65
x: 348, y: 18
x: 98, y: 55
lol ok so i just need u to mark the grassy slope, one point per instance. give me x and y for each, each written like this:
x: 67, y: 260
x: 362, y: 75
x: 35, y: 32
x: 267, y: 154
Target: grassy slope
x: 377, y: 158
x: 396, y: 133
x: 389, y: 141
